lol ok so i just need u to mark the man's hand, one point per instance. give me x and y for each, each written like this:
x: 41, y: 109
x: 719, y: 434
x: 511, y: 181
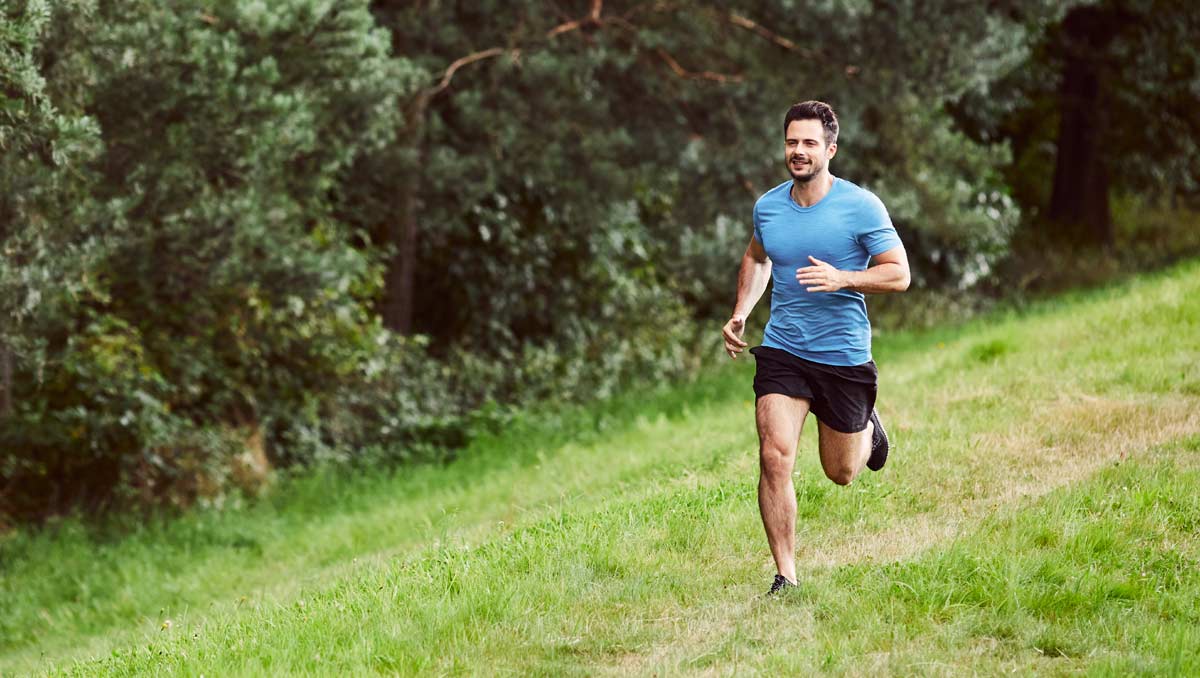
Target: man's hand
x: 733, y: 336
x: 822, y: 277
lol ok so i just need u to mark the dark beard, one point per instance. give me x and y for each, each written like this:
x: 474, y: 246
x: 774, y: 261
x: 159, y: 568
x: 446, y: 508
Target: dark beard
x: 805, y: 178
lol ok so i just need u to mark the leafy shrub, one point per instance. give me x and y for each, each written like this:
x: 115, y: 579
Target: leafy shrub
x: 221, y: 303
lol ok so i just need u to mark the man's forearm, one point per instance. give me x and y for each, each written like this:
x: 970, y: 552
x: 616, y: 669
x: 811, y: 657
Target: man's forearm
x: 878, y: 279
x: 753, y: 277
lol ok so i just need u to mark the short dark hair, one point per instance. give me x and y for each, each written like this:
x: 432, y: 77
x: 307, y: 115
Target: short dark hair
x: 814, y: 110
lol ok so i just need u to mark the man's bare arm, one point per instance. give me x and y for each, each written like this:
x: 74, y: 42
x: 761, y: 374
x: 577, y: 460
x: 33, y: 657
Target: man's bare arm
x: 753, y: 277
x: 888, y: 273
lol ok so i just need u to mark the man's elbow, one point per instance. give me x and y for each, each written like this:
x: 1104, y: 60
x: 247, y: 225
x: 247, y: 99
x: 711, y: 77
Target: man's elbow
x: 904, y: 281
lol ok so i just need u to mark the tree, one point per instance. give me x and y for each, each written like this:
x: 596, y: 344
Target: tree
x: 222, y: 300
x: 1079, y: 201
x: 44, y: 150
x: 49, y: 259
x: 1105, y: 105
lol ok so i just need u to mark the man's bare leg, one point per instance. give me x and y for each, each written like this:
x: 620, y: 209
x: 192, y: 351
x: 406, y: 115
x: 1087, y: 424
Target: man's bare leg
x: 780, y: 419
x: 843, y: 455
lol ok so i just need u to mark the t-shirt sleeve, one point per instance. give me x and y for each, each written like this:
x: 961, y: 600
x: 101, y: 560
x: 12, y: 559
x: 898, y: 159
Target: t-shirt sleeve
x: 757, y: 225
x: 876, y: 232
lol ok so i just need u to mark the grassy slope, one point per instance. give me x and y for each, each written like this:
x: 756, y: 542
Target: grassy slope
x: 1040, y: 514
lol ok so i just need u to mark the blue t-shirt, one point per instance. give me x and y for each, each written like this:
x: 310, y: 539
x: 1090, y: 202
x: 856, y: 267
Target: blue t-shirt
x: 844, y: 229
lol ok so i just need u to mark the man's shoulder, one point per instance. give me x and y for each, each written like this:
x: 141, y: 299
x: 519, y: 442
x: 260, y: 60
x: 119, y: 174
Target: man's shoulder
x: 777, y: 193
x: 853, y: 192
x: 862, y: 203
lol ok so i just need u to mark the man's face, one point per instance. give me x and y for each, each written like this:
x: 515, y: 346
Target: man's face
x: 805, y: 151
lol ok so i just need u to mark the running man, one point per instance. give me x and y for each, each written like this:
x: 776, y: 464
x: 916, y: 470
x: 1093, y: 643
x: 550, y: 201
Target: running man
x: 814, y: 236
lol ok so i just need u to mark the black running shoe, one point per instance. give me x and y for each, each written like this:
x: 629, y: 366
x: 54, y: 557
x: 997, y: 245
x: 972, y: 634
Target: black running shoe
x: 780, y: 584
x: 879, y: 444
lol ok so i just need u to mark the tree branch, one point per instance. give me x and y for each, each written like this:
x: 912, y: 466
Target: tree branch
x: 696, y: 75
x: 465, y: 61
x: 592, y: 19
x: 751, y: 25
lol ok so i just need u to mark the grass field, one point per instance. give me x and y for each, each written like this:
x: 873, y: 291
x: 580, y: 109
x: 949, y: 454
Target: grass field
x: 1039, y: 514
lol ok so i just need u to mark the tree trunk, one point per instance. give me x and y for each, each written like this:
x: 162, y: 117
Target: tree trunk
x: 402, y: 232
x: 6, y: 379
x: 401, y: 275
x: 1079, y: 204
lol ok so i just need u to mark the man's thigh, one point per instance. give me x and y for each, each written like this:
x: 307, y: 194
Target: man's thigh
x: 780, y: 419
x: 839, y: 450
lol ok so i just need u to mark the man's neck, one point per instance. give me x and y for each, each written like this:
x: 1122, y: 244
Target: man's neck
x: 809, y: 193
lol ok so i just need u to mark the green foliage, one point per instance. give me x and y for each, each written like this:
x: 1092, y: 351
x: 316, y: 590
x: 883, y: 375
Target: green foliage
x: 1154, y: 79
x: 226, y: 295
x: 49, y: 257
x: 44, y: 178
x: 1148, y: 75
x: 502, y: 177
x: 205, y: 207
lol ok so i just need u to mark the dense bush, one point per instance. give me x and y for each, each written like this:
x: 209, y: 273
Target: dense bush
x: 221, y: 301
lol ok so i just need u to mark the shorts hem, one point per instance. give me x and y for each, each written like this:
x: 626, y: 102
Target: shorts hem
x: 838, y: 429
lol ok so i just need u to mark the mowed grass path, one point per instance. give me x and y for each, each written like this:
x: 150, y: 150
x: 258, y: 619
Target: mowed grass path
x: 1040, y: 514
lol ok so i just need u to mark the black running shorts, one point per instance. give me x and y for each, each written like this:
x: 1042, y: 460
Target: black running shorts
x: 841, y: 397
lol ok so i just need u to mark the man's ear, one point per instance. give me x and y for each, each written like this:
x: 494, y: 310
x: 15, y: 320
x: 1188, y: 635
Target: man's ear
x: 832, y: 150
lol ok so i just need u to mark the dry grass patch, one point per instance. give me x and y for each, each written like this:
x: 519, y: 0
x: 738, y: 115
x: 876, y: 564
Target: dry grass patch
x: 1103, y: 431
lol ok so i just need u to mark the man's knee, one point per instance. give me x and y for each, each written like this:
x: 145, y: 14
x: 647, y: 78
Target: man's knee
x: 842, y: 474
x: 842, y: 454
x: 775, y: 461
